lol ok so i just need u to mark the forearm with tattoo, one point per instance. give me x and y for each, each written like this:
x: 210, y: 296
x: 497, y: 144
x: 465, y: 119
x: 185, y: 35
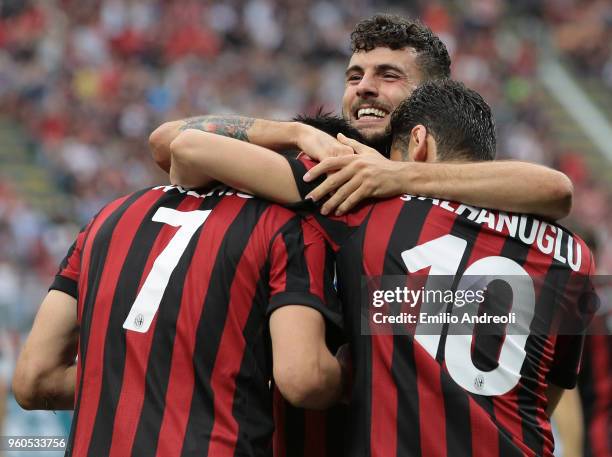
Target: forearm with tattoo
x: 275, y: 135
x: 230, y: 126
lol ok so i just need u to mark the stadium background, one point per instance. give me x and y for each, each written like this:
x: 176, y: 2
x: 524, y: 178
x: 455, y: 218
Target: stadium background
x: 83, y: 83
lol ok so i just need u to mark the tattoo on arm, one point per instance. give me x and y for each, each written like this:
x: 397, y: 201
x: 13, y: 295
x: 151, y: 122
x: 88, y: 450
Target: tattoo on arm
x: 230, y: 126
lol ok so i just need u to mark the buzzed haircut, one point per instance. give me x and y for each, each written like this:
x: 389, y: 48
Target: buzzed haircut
x: 395, y: 32
x: 458, y: 118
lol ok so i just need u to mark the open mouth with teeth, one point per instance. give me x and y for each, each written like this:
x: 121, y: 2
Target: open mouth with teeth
x: 370, y: 113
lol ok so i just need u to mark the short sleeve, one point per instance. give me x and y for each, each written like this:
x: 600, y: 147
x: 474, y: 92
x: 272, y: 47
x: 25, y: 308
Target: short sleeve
x: 299, y: 167
x: 67, y: 276
x: 302, y: 271
x: 580, y: 302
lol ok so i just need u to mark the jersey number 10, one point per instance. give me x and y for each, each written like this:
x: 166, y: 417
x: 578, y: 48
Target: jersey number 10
x: 444, y: 255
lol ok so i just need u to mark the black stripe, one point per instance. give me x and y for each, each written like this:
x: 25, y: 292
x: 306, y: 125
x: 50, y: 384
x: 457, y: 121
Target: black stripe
x: 297, y: 275
x: 162, y: 346
x: 298, y: 169
x: 252, y: 406
x: 295, y: 428
x: 97, y: 260
x: 211, y: 324
x: 115, y: 339
x: 335, y: 427
x: 349, y: 267
x: 456, y: 400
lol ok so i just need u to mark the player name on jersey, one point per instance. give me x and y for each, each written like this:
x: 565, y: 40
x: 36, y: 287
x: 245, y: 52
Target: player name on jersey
x: 218, y: 191
x: 547, y: 238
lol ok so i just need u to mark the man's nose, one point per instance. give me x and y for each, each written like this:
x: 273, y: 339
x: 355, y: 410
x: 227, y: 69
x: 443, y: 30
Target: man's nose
x: 367, y: 87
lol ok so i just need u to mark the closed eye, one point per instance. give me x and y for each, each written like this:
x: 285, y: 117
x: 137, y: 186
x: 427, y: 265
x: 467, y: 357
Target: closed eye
x: 391, y: 76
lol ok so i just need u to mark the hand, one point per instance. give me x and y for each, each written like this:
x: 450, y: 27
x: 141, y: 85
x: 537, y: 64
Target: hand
x: 357, y: 177
x: 318, y: 145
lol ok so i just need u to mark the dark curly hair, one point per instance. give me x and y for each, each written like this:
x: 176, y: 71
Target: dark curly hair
x: 458, y: 118
x: 396, y: 32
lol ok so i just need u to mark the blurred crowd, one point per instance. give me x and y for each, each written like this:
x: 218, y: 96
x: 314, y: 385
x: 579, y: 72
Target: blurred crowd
x: 584, y: 33
x: 87, y: 81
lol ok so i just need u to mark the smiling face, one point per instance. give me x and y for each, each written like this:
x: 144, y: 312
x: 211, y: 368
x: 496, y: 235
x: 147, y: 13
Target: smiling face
x: 376, y: 82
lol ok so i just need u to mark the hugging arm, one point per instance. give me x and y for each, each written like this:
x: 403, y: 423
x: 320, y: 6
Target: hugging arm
x: 274, y: 135
x: 244, y: 166
x: 505, y: 185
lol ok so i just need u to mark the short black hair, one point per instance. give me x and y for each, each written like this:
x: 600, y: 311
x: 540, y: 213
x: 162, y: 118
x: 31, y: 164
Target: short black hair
x: 458, y: 118
x: 396, y: 32
x: 330, y: 124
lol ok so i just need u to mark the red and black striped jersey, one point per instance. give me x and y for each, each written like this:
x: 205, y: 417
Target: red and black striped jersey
x: 308, y: 433
x: 448, y: 394
x: 595, y: 388
x: 174, y: 290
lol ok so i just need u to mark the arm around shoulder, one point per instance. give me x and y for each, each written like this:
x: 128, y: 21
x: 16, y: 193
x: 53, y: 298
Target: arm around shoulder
x: 512, y: 186
x: 243, y: 166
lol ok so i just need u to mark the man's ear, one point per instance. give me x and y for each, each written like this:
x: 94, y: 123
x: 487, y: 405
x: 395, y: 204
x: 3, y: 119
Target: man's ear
x: 418, y: 139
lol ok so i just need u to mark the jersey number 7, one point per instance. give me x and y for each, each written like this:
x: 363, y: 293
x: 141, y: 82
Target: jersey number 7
x: 148, y: 299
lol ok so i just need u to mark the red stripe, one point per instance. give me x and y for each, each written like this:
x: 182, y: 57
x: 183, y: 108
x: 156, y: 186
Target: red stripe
x: 383, y: 426
x: 485, y: 433
x: 315, y: 260
x: 312, y: 220
x: 306, y: 161
x: 314, y: 433
x: 224, y: 434
x: 278, y: 270
x: 432, y: 413
x: 600, y: 429
x: 138, y: 347
x: 121, y: 240
x: 278, y: 439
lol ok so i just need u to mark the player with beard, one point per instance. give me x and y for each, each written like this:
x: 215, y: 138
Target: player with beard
x: 391, y: 56
x: 439, y: 393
